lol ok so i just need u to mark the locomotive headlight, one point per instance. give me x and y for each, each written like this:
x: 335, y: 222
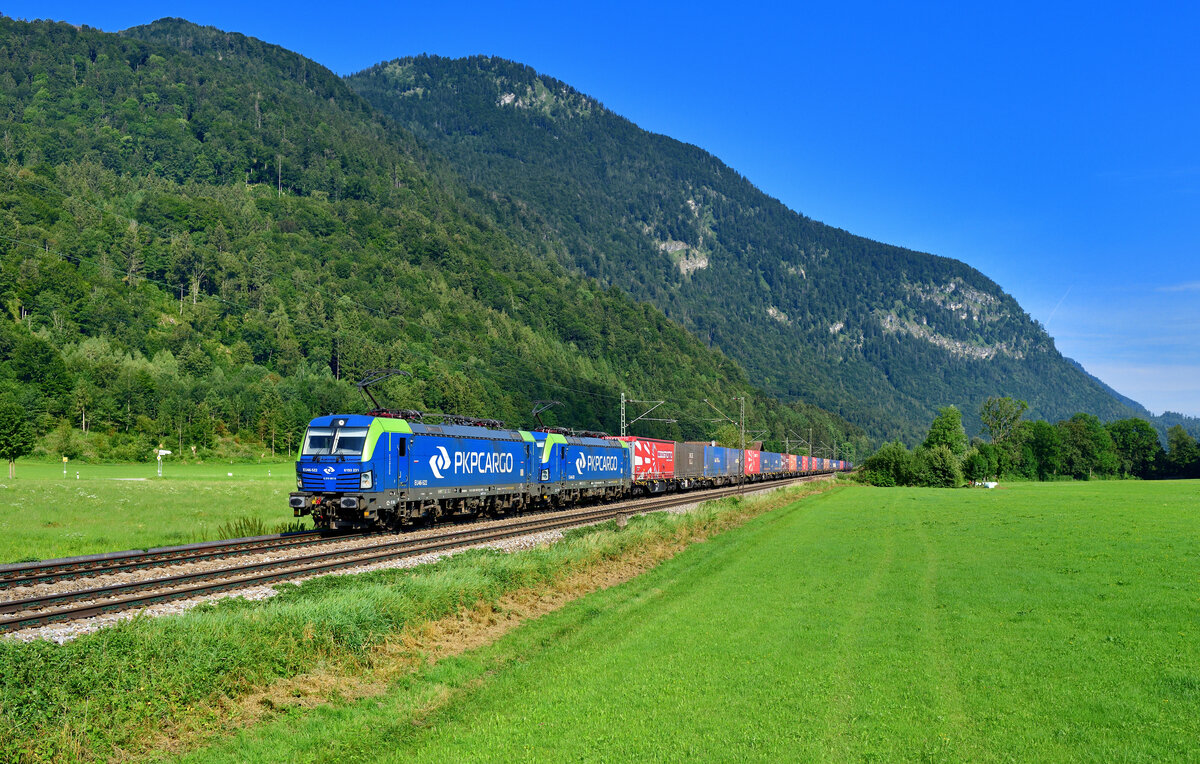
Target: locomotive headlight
x: 299, y: 483
x: 364, y: 480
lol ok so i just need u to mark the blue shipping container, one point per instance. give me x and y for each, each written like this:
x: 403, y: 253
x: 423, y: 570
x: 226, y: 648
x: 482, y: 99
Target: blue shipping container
x: 771, y: 463
x: 716, y: 461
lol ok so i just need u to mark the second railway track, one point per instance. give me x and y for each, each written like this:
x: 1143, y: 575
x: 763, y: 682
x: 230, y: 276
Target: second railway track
x: 61, y: 606
x: 51, y: 571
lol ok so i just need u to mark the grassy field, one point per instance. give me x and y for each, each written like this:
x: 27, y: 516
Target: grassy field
x: 114, y: 507
x: 1052, y: 622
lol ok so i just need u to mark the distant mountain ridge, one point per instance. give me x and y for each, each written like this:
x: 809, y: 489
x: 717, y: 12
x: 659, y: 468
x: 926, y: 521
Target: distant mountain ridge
x: 880, y: 334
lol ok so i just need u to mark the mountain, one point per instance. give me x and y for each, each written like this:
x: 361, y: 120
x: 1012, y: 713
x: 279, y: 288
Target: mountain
x: 206, y: 239
x: 880, y: 334
x: 1133, y: 405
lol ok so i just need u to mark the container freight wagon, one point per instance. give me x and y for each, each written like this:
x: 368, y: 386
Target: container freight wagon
x: 792, y: 461
x: 722, y: 466
x: 572, y: 468
x: 653, y: 462
x: 735, y: 463
x: 716, y: 464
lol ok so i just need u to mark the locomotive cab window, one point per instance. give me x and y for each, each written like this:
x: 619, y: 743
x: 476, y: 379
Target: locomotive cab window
x: 318, y: 440
x: 350, y: 441
x: 335, y: 441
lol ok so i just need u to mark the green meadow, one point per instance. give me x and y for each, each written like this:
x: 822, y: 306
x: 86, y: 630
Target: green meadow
x: 110, y: 507
x: 1045, y: 622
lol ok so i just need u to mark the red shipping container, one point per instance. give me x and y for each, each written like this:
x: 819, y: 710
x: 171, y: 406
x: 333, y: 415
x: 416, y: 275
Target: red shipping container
x: 804, y: 465
x: 791, y: 462
x: 752, y: 462
x: 652, y: 459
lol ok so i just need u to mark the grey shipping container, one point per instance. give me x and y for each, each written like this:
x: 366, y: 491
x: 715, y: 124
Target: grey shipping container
x: 689, y: 461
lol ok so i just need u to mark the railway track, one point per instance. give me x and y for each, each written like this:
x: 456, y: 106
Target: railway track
x: 74, y: 604
x: 51, y: 571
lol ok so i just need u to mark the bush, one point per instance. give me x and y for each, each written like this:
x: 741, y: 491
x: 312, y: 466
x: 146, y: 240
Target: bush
x: 975, y: 466
x: 877, y: 478
x: 891, y: 465
x: 939, y: 468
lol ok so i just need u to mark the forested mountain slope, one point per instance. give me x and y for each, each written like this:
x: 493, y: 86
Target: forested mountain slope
x: 204, y: 235
x: 880, y: 334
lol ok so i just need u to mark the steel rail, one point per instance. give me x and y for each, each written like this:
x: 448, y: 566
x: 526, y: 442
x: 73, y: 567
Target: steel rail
x: 50, y: 571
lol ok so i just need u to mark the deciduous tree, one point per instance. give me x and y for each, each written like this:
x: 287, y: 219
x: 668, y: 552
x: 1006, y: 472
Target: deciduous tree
x: 1045, y: 442
x: 1000, y: 417
x: 974, y: 466
x: 947, y: 430
x: 1137, y: 445
x: 16, y: 435
x: 1182, y: 453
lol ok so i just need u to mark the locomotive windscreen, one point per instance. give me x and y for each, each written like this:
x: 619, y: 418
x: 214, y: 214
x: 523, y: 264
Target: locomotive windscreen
x: 335, y: 441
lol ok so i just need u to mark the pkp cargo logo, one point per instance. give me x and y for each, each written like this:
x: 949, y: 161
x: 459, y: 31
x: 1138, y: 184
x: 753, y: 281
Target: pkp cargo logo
x: 439, y: 462
x: 580, y: 463
x: 328, y: 470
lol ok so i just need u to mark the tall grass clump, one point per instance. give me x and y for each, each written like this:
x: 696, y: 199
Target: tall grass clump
x: 244, y: 527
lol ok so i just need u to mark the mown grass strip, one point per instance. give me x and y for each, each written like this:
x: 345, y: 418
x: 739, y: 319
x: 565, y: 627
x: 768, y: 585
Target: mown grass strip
x: 153, y: 682
x: 1044, y: 623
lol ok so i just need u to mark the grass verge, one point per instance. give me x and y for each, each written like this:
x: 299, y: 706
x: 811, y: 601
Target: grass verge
x: 152, y: 684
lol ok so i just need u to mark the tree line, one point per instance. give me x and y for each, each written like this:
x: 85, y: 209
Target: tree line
x: 1080, y: 448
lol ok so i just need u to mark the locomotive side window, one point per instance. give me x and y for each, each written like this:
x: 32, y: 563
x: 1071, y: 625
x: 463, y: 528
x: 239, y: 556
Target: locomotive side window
x: 401, y: 446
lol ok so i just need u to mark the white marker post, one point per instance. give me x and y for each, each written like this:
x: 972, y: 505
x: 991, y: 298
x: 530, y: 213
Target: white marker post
x: 161, y: 454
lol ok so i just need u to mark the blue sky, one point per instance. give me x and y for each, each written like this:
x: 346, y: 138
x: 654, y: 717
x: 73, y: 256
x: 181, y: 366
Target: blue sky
x: 1056, y: 147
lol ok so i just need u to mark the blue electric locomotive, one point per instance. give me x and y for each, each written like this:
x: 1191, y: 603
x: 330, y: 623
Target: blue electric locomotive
x: 358, y: 471
x: 573, y: 469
